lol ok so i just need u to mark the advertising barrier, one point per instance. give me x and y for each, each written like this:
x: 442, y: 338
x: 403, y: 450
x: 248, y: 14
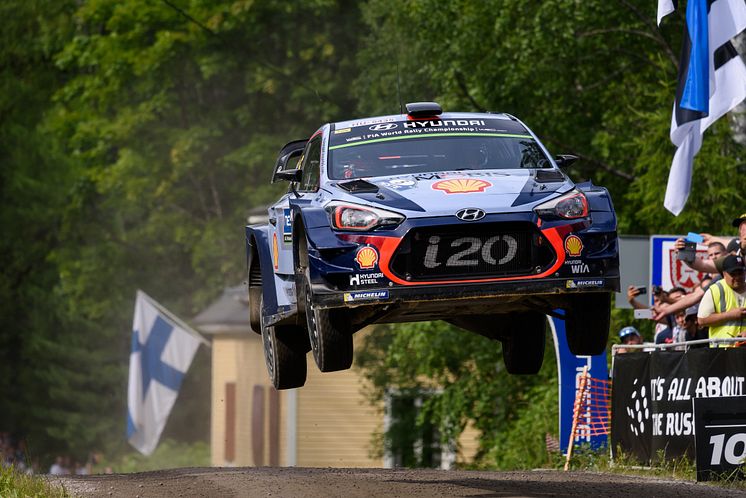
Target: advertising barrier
x: 653, y: 397
x: 720, y: 439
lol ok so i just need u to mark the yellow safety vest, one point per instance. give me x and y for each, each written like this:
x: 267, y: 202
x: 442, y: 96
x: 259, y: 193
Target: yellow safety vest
x: 725, y: 299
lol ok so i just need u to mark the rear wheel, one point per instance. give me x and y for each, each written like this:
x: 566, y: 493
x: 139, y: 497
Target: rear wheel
x: 523, y: 347
x: 255, y: 309
x: 285, y: 348
x: 587, y: 321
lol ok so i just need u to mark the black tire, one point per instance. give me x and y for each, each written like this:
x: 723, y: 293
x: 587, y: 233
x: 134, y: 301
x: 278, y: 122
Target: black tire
x: 329, y: 332
x: 285, y: 348
x: 523, y: 348
x: 587, y: 321
x: 255, y: 309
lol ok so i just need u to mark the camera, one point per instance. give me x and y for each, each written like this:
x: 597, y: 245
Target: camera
x: 644, y: 314
x: 641, y: 290
x: 688, y: 253
x: 657, y: 289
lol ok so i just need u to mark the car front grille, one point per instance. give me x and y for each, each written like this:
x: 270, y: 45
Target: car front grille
x: 479, y: 250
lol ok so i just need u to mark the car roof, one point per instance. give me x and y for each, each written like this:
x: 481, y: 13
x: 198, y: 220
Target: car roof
x: 391, y: 118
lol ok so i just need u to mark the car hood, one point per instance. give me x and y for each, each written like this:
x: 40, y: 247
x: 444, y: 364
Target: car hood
x: 442, y: 194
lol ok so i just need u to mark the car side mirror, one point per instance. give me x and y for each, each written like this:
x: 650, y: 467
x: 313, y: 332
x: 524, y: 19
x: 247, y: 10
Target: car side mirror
x: 565, y: 160
x: 290, y: 175
x: 289, y: 152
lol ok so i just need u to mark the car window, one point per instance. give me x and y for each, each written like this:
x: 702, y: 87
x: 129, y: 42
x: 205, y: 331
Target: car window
x: 311, y: 166
x: 419, y: 154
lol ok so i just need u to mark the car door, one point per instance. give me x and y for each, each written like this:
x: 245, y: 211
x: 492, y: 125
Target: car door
x: 309, y: 163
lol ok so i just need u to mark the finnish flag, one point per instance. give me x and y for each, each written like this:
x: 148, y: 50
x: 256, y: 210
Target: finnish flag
x: 712, y: 81
x: 162, y: 350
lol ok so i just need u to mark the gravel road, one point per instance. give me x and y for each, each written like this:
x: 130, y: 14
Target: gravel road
x: 363, y: 483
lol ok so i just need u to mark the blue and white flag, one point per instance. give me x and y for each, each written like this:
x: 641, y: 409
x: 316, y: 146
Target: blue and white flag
x: 162, y: 350
x: 712, y: 81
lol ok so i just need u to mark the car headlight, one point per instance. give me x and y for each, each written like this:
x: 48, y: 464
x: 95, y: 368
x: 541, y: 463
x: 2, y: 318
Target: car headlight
x: 346, y: 216
x: 569, y: 206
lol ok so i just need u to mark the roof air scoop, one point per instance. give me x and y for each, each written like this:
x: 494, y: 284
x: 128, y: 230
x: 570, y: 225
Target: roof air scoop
x: 424, y: 109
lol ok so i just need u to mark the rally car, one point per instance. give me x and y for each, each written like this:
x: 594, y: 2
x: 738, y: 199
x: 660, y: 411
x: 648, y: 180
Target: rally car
x: 427, y: 215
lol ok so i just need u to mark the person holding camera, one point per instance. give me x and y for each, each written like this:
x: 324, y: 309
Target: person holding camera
x: 723, y: 307
x: 708, y: 265
x: 716, y: 251
x: 665, y: 321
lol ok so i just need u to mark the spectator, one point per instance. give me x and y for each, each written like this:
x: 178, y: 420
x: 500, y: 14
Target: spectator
x: 715, y: 251
x: 659, y: 295
x: 666, y: 322
x: 81, y: 469
x: 733, y: 247
x: 629, y: 336
x: 632, y: 293
x: 708, y: 266
x: 58, y: 467
x: 678, y: 333
x: 722, y: 307
x: 693, y: 332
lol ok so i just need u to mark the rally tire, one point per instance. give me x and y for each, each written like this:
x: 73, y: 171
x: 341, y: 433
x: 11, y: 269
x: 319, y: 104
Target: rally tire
x: 255, y: 308
x: 329, y: 333
x: 587, y: 322
x: 523, y: 346
x: 285, y: 348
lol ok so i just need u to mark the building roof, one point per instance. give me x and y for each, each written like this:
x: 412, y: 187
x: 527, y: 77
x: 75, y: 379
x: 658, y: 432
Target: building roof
x: 229, y: 314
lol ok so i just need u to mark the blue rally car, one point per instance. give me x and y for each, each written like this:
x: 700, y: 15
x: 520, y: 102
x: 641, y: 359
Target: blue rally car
x: 460, y: 217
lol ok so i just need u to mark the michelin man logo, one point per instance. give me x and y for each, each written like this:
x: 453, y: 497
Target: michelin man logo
x: 638, y: 411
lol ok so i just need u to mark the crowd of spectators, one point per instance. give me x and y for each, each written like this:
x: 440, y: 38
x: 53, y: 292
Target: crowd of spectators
x: 13, y: 453
x: 66, y: 466
x: 714, y: 309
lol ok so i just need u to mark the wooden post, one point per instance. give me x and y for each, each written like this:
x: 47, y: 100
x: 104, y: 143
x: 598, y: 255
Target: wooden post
x: 576, y: 415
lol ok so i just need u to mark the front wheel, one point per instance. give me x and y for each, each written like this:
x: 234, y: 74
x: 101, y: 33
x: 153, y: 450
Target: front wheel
x: 587, y: 321
x: 523, y: 347
x: 329, y: 332
x: 285, y: 348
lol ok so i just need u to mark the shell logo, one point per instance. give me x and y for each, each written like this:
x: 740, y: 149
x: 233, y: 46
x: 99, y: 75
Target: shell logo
x: 275, y: 252
x: 462, y: 185
x: 573, y: 245
x: 366, y: 258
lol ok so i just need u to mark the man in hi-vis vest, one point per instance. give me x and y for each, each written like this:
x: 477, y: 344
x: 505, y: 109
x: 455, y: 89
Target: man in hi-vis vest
x: 722, y: 307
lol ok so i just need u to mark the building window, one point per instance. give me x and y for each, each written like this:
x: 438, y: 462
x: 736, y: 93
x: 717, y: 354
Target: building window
x: 409, y: 442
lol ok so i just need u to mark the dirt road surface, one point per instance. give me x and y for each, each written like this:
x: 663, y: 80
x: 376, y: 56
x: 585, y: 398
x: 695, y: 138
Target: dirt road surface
x: 364, y: 483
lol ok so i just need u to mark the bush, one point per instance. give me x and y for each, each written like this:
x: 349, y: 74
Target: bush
x: 14, y: 484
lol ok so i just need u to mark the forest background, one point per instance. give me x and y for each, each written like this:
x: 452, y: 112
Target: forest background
x: 136, y: 136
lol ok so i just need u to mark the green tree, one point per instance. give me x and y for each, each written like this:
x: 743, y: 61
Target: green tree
x: 35, y: 180
x: 467, y: 379
x: 137, y: 137
x: 592, y: 78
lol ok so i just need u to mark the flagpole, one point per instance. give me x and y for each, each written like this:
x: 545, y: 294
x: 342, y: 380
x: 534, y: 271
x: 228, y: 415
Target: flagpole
x: 175, y: 319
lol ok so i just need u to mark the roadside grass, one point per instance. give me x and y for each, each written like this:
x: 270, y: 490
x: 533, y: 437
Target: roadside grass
x: 682, y: 468
x: 14, y: 484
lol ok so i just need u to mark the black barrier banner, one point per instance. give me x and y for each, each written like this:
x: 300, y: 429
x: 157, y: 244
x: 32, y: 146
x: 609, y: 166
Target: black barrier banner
x: 653, y: 393
x: 720, y: 437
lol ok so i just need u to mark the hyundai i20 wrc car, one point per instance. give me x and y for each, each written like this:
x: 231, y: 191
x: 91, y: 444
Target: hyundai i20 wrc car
x: 460, y: 217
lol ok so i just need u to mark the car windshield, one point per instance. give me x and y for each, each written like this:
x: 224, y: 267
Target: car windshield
x: 422, y: 154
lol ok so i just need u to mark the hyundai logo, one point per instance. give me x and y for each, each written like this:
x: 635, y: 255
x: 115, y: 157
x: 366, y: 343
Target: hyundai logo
x: 383, y: 127
x: 470, y: 214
